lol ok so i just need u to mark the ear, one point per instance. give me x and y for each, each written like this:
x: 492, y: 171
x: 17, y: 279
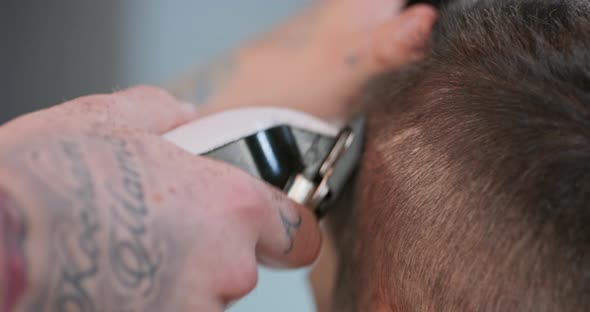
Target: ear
x: 403, y: 38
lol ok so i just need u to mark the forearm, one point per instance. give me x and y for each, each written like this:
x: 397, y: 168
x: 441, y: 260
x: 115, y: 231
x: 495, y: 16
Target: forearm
x: 317, y: 62
x: 237, y: 79
x: 267, y: 75
x: 229, y: 80
x: 290, y: 67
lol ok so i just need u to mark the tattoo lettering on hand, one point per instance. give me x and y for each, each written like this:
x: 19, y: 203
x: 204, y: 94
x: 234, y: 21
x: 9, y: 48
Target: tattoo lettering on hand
x: 106, y: 251
x: 79, y: 254
x: 13, y: 266
x: 134, y: 260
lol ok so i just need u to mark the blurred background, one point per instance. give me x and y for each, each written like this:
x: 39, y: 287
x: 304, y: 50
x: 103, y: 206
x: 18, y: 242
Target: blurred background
x: 58, y: 50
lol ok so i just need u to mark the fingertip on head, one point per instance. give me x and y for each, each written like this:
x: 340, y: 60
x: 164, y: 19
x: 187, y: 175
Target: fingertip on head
x: 418, y: 21
x: 429, y: 15
x: 423, y: 8
x: 405, y: 38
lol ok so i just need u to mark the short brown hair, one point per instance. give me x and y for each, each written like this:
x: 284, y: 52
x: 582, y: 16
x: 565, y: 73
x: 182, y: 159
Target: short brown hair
x: 477, y: 171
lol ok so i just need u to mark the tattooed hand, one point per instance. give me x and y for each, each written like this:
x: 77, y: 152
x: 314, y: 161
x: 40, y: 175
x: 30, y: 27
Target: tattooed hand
x: 318, y: 61
x: 98, y: 213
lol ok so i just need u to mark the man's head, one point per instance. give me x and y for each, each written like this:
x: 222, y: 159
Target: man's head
x: 476, y: 180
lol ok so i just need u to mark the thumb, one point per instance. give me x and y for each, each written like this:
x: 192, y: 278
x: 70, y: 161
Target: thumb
x: 403, y: 39
x: 291, y: 236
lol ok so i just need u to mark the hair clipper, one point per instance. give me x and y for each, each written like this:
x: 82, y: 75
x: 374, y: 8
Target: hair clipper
x: 309, y: 159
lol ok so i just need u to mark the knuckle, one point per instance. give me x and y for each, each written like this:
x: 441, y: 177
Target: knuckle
x: 147, y: 92
x: 248, y: 199
x: 98, y: 106
x: 238, y: 195
x: 90, y: 103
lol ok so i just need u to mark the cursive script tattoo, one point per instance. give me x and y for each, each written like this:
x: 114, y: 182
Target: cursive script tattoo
x: 134, y: 261
x: 103, y: 249
x: 78, y: 254
x: 13, y: 266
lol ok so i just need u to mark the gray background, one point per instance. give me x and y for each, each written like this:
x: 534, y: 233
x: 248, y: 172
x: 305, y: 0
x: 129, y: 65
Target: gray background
x: 60, y: 49
x: 57, y: 50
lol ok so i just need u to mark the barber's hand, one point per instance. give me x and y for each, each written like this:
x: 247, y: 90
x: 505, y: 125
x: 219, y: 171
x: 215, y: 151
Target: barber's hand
x: 319, y: 61
x: 116, y: 218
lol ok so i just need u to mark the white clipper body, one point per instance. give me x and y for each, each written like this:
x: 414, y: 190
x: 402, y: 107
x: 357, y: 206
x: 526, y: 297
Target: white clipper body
x: 306, y: 157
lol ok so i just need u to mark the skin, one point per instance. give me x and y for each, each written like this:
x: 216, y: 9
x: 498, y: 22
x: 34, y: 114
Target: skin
x: 98, y: 213
x: 340, y: 43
